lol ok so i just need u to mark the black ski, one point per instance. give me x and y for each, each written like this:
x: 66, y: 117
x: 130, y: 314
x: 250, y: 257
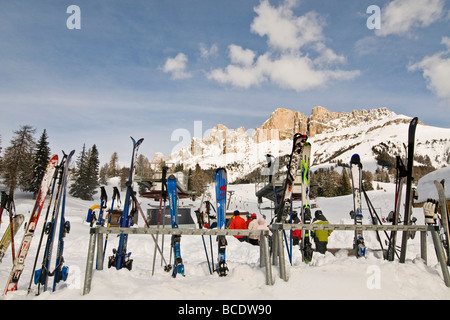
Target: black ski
x: 409, y: 181
x: 356, y: 176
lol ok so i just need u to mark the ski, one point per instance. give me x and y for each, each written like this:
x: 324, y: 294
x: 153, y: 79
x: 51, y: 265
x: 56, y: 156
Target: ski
x: 284, y: 207
x: 306, y: 246
x: 3, y: 204
x: 116, y: 195
x: 221, y: 197
x: 41, y: 275
x: 400, y: 177
x: 121, y: 258
x: 178, y: 267
x: 103, y: 202
x: 7, y: 203
x: 444, y: 217
x: 61, y: 272
x: 6, y: 239
x: 19, y: 264
x: 356, y: 177
x: 409, y: 181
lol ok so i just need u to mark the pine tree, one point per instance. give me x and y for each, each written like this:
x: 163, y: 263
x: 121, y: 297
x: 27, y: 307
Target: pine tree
x: 367, y: 177
x: 41, y: 159
x: 345, y: 187
x: 86, y: 174
x: 92, y: 170
x: 18, y: 160
x: 78, y: 186
x: 113, y: 168
x: 104, y: 174
x: 124, y: 174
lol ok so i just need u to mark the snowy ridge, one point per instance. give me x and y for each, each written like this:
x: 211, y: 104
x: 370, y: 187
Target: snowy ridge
x: 334, y: 137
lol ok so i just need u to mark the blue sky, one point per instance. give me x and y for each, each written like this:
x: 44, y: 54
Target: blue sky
x: 148, y: 68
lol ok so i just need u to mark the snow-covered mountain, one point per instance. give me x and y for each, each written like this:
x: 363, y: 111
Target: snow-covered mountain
x: 334, y: 137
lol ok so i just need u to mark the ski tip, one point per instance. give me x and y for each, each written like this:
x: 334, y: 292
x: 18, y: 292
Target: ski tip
x: 300, y: 136
x: 221, y: 170
x: 355, y: 159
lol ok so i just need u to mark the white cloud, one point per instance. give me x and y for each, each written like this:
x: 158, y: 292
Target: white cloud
x: 206, y: 52
x: 400, y: 16
x: 241, y: 56
x: 177, y: 67
x: 287, y: 63
x: 436, y: 71
x: 283, y: 29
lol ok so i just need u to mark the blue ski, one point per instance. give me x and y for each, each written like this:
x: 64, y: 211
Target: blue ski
x: 121, y: 258
x: 221, y: 197
x: 178, y: 267
x: 61, y: 272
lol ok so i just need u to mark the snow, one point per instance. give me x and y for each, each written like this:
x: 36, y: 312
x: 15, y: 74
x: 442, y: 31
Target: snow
x: 339, y: 276
x: 426, y: 188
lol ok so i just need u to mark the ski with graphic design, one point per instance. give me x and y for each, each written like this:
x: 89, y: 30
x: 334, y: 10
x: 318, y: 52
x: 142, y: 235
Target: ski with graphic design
x: 178, y: 267
x: 356, y: 177
x: 284, y: 207
x: 61, y: 272
x: 444, y: 217
x: 41, y: 275
x: 6, y: 239
x: 121, y: 258
x: 221, y: 197
x: 19, y: 263
x: 306, y: 246
x: 409, y: 181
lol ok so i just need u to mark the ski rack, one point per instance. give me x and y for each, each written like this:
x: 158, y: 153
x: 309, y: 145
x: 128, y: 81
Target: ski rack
x: 278, y: 258
x: 278, y: 228
x: 96, y: 237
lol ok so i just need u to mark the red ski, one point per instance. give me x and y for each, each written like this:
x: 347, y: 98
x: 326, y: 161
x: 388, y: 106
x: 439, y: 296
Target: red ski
x: 19, y: 263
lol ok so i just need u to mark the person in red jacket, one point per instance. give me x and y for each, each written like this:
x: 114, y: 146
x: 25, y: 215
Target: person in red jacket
x: 238, y: 223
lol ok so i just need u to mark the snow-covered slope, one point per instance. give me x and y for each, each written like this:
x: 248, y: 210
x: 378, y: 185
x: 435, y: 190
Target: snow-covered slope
x: 426, y: 188
x: 339, y: 276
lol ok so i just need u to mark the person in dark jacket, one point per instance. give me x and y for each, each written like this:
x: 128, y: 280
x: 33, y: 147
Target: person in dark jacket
x: 321, y: 236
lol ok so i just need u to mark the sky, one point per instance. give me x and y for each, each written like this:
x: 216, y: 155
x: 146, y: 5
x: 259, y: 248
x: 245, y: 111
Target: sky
x: 100, y: 71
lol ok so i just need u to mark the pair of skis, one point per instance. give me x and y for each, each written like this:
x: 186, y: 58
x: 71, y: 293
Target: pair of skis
x: 402, y: 173
x: 300, y: 158
x: 432, y: 217
x: 19, y: 263
x: 221, y: 193
x: 356, y: 177
x: 178, y: 266
x: 221, y: 198
x: 50, y: 228
x: 120, y: 257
